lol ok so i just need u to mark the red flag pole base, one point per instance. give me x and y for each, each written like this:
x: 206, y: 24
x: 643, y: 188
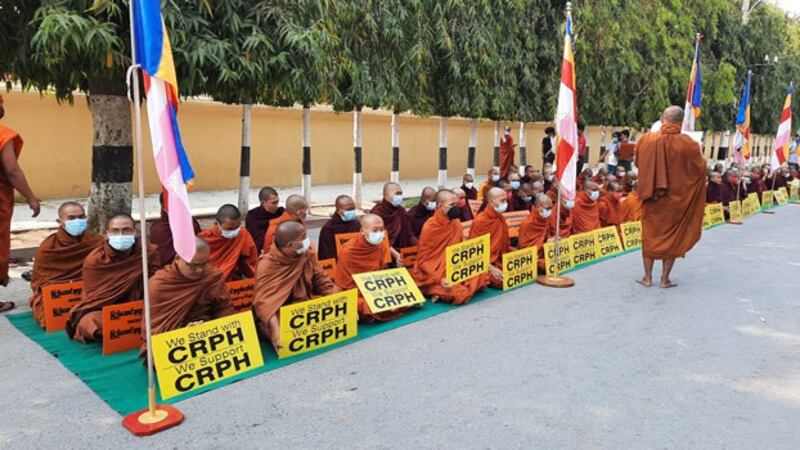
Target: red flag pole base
x: 555, y: 282
x: 145, y: 423
x: 735, y: 222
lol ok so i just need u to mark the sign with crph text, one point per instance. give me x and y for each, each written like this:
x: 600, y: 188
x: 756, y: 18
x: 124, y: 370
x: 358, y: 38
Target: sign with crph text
x: 467, y: 259
x: 390, y: 289
x: 519, y: 268
x: 631, y: 234
x: 318, y: 323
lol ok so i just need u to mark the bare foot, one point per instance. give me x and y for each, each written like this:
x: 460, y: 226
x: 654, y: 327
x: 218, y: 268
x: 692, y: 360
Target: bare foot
x: 666, y: 284
x: 646, y: 282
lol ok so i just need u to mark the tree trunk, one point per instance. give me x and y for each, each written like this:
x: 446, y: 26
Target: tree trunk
x: 244, y: 163
x: 112, y: 153
x: 473, y: 144
x: 496, y: 156
x: 357, y: 157
x: 395, y: 175
x: 306, y: 143
x: 442, y: 180
x: 523, y: 149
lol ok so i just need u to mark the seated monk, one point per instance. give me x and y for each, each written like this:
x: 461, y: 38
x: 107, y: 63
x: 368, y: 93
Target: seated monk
x: 714, y: 190
x: 361, y: 255
x: 468, y: 185
x: 528, y: 175
x: 187, y: 293
x: 548, y: 178
x: 463, y: 205
x: 59, y: 258
x: 258, y: 219
x: 534, y: 231
x: 522, y: 199
x: 112, y: 273
x: 631, y: 208
x: 422, y: 211
x: 296, y: 211
x: 442, y: 230
x: 232, y: 249
x: 505, y: 186
x: 564, y: 221
x: 161, y: 234
x: 492, y: 180
x: 586, y: 214
x: 609, y: 205
x: 395, y: 219
x: 288, y: 273
x: 537, y: 189
x: 491, y: 221
x: 343, y: 221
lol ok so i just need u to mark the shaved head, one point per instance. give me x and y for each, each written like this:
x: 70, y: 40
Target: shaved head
x: 288, y: 232
x: 390, y: 189
x: 228, y: 212
x: 344, y: 201
x: 70, y: 209
x: 266, y: 193
x: 120, y: 219
x: 371, y: 222
x: 589, y: 184
x: 428, y: 194
x: 459, y: 192
x: 495, y: 194
x: 544, y: 201
x: 672, y: 115
x: 444, y: 196
x: 297, y: 206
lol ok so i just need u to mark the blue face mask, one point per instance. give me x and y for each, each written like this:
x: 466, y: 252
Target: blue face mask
x: 397, y: 200
x: 569, y: 204
x: 121, y: 242
x: 349, y: 215
x: 514, y: 185
x: 75, y: 227
x: 594, y: 195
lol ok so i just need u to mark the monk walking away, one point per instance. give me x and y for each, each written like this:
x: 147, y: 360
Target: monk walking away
x: 232, y: 249
x: 258, y: 218
x: 11, y: 177
x: 343, y: 221
x: 672, y: 188
x: 296, y: 211
x: 59, y: 258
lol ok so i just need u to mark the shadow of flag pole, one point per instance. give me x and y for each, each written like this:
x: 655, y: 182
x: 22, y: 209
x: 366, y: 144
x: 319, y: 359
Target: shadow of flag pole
x: 154, y: 418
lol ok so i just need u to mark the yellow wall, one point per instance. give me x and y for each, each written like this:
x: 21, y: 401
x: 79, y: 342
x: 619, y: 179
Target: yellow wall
x: 58, y: 145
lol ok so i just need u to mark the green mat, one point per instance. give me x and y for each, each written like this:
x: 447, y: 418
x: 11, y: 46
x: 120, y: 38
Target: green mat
x: 121, y: 379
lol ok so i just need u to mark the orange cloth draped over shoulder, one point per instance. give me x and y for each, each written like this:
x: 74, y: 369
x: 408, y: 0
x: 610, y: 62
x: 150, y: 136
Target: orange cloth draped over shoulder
x: 7, y: 135
x: 109, y: 277
x: 235, y: 257
x: 631, y: 208
x: 506, y: 155
x: 672, y: 186
x: 359, y: 256
x: 534, y: 231
x: 59, y: 259
x: 438, y: 233
x: 609, y: 210
x: 494, y: 224
x: 585, y: 214
x: 273, y: 226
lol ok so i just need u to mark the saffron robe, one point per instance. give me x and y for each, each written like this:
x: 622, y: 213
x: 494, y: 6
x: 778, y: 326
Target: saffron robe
x: 273, y: 227
x: 398, y: 227
x: 631, y: 208
x: 491, y: 222
x: 6, y: 202
x: 534, y: 231
x: 235, y: 257
x: 585, y: 214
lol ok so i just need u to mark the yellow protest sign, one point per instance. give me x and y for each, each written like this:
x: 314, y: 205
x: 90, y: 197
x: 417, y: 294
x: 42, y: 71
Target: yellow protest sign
x: 631, y: 234
x: 193, y: 357
x: 564, y: 256
x: 735, y: 209
x: 583, y: 248
x: 714, y: 214
x: 607, y: 241
x: 318, y: 323
x: 766, y: 200
x: 794, y: 191
x: 467, y: 259
x: 390, y: 289
x: 519, y: 268
x: 781, y: 196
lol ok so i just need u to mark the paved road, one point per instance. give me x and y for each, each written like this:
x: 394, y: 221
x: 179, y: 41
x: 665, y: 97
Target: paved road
x: 714, y: 363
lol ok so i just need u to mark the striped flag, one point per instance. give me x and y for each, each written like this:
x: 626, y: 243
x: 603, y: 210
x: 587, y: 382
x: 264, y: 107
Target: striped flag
x: 567, y: 120
x: 741, y: 142
x: 154, y: 55
x: 694, y: 93
x: 783, y: 139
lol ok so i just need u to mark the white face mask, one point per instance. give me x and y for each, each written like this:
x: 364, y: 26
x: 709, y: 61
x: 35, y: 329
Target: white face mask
x: 397, y: 200
x: 594, y: 195
x: 349, y: 215
x: 569, y: 204
x: 502, y: 208
x: 375, y: 237
x: 545, y: 212
x: 469, y: 185
x: 430, y: 206
x: 229, y: 234
x: 495, y: 178
x: 305, y: 247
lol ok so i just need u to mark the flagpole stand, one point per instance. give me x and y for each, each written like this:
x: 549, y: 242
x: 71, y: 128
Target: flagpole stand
x: 555, y: 281
x: 153, y: 419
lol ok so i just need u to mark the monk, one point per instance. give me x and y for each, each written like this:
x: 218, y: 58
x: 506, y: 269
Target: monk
x: 343, y: 221
x: 360, y: 255
x: 537, y: 189
x: 506, y: 152
x: 463, y: 205
x: 673, y: 192
x: 442, y: 230
x: 422, y: 211
x: 296, y: 211
x: 112, y: 273
x: 11, y: 177
x: 522, y: 199
x: 491, y: 221
x: 468, y: 185
x: 187, y: 293
x: 258, y: 218
x: 527, y: 177
x: 564, y: 219
x: 288, y: 273
x: 609, y: 205
x: 716, y: 192
x: 232, y: 249
x: 395, y: 219
x: 535, y: 230
x: 161, y: 234
x: 631, y: 208
x: 59, y: 258
x: 586, y: 214
x: 492, y: 180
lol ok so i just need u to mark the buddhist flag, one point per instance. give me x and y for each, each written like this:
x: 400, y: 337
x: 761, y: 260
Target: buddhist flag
x: 741, y: 142
x: 783, y: 139
x: 567, y: 120
x: 694, y: 93
x: 154, y: 55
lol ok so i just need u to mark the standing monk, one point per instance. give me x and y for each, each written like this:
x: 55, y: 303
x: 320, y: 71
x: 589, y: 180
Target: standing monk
x: 11, y: 177
x: 296, y: 211
x: 491, y: 221
x: 672, y: 187
x: 112, y: 274
x: 534, y: 231
x: 423, y: 210
x: 586, y: 214
x: 288, y: 273
x: 258, y: 218
x: 442, y: 230
x: 161, y: 234
x: 59, y: 258
x: 343, y: 221
x: 395, y: 219
x: 232, y: 249
x: 506, y: 152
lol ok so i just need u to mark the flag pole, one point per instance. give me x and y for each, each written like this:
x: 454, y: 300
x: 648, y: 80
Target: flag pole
x: 154, y: 418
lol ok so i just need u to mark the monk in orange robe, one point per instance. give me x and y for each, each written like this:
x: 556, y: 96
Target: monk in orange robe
x: 631, y: 208
x: 440, y: 231
x: 59, y: 258
x: 586, y: 213
x: 492, y: 180
x: 187, y: 293
x: 232, y: 249
x: 112, y: 273
x: 296, y: 211
x: 609, y: 204
x: 535, y: 229
x: 361, y: 255
x: 11, y: 177
x: 672, y: 174
x: 506, y: 152
x: 491, y: 221
x: 288, y: 273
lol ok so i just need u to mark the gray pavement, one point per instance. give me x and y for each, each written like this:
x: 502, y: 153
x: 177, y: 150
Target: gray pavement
x: 714, y: 363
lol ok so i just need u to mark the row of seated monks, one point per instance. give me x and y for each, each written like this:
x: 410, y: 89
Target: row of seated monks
x: 725, y: 186
x: 273, y: 248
